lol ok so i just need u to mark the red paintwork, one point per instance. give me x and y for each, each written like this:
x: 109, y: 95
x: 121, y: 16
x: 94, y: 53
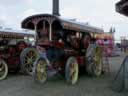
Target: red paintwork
x: 13, y: 63
x: 58, y: 44
x: 53, y: 43
x: 20, y: 46
x: 81, y: 60
x: 11, y: 55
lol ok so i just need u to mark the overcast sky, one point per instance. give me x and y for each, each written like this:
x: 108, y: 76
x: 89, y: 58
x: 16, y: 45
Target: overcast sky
x: 99, y: 13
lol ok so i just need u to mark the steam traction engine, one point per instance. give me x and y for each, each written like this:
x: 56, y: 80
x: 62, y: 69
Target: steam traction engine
x: 64, y: 46
x: 11, y: 46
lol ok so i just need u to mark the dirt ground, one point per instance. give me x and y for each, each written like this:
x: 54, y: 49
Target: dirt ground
x: 20, y: 85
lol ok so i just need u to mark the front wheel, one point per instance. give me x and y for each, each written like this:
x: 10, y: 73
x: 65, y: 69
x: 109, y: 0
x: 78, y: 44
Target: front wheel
x: 71, y: 70
x: 39, y: 71
x: 3, y: 69
x: 28, y: 57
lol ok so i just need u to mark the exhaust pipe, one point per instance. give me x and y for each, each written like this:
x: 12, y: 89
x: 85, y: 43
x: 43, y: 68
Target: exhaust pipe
x: 55, y: 9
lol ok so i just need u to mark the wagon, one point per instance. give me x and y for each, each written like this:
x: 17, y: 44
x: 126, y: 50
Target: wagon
x: 11, y: 45
x: 64, y: 47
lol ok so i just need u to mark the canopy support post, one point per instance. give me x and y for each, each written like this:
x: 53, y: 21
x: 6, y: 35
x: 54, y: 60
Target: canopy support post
x: 50, y: 32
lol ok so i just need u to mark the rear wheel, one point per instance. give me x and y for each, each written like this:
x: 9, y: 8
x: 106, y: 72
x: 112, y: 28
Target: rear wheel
x: 28, y: 57
x: 39, y: 71
x: 94, y: 60
x: 3, y: 69
x: 71, y: 70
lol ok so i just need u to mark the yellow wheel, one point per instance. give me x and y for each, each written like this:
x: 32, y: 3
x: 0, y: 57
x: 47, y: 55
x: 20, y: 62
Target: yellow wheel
x: 3, y: 69
x: 97, y: 67
x: 39, y: 72
x: 71, y: 70
x: 94, y: 60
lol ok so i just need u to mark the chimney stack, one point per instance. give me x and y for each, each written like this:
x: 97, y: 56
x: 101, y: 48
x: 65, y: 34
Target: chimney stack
x: 55, y: 8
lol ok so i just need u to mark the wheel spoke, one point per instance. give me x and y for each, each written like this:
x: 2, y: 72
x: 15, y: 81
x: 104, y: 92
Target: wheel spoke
x: 30, y: 67
x: 1, y: 68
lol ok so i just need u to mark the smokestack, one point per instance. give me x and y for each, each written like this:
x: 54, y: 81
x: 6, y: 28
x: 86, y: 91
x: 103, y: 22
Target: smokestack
x: 55, y: 8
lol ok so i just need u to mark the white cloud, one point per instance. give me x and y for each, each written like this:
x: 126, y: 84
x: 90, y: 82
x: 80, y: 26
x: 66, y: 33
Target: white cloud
x: 15, y: 2
x: 29, y: 1
x: 28, y: 13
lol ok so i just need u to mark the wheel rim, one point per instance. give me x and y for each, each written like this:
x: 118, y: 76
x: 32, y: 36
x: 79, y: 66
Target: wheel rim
x: 97, y: 67
x: 72, y: 70
x: 41, y: 74
x: 3, y: 70
x: 28, y: 57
